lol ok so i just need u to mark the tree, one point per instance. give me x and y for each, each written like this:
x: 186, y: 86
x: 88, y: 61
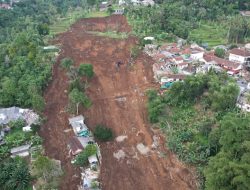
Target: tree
x: 77, y: 97
x: 38, y: 102
x: 219, y: 52
x: 225, y: 98
x: 229, y: 169
x: 103, y: 133
x: 14, y: 174
x: 86, y: 70
x: 82, y: 158
x: 43, y: 29
x: 66, y: 63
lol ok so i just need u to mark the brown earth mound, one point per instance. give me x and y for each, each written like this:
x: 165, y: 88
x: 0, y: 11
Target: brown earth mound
x: 138, y: 162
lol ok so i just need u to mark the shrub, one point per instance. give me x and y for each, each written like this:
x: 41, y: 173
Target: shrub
x: 103, y: 133
x: 82, y: 158
x: 18, y: 124
x: 66, y: 63
x: 219, y: 52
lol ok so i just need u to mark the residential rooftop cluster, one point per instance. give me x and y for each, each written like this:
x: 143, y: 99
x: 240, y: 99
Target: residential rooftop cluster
x: 104, y: 5
x: 12, y: 114
x: 174, y: 61
x: 83, y: 137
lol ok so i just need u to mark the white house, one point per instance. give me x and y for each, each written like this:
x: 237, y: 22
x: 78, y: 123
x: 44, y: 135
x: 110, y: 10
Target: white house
x: 196, y: 55
x: 148, y: 2
x: 241, y: 56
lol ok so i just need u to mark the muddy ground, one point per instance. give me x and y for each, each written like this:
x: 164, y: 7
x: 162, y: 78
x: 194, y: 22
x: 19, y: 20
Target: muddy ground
x: 119, y: 102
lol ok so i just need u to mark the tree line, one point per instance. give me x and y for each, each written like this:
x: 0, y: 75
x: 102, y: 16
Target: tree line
x: 205, y: 129
x: 179, y: 18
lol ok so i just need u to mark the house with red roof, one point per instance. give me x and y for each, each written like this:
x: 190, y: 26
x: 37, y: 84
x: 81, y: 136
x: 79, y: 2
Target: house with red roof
x: 225, y: 64
x: 239, y: 55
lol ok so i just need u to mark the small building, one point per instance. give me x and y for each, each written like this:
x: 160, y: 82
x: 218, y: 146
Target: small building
x: 245, y: 13
x: 168, y: 80
x: 223, y: 63
x: 118, y: 12
x: 196, y: 54
x: 15, y: 113
x: 147, y: 2
x: 78, y: 125
x: 241, y: 56
x: 104, y: 6
x: 21, y: 151
x: 5, y: 6
x: 75, y: 146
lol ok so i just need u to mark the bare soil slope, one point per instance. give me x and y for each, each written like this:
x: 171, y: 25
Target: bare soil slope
x: 119, y: 102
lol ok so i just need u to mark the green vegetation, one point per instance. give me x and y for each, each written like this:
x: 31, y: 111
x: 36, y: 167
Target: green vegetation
x: 77, y: 94
x: 82, y: 158
x: 110, y: 34
x: 206, y: 22
x: 47, y: 173
x: 17, y: 137
x: 220, y: 52
x: 66, y: 63
x: 229, y: 169
x: 96, y: 14
x: 86, y: 70
x: 63, y: 23
x: 14, y: 174
x: 211, y: 33
x: 198, y: 117
x: 103, y: 133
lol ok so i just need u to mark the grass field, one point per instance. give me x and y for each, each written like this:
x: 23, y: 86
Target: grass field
x: 111, y: 34
x: 62, y: 24
x: 214, y: 34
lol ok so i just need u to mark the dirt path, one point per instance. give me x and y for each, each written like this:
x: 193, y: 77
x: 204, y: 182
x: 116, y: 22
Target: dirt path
x: 118, y: 102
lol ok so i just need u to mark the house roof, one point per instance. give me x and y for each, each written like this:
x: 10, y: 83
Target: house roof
x: 220, y: 61
x: 78, y: 118
x: 183, y: 63
x: 179, y: 58
x: 226, y: 63
x: 20, y: 149
x: 159, y: 56
x: 245, y: 13
x: 208, y: 57
x: 240, y: 52
x: 9, y: 114
x: 5, y: 6
x: 176, y: 76
x: 77, y: 124
x: 85, y: 140
x: 75, y: 145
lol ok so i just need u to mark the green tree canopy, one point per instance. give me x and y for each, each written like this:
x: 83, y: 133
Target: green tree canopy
x: 219, y: 52
x: 86, y: 70
x: 14, y: 174
x: 103, y: 133
x: 229, y: 169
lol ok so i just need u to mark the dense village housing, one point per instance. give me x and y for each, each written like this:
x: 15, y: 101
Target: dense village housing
x: 175, y: 61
